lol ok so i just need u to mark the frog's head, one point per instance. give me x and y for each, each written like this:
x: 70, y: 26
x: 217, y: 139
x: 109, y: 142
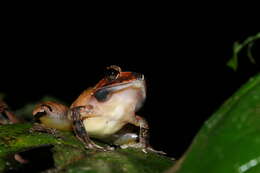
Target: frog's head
x: 117, y: 83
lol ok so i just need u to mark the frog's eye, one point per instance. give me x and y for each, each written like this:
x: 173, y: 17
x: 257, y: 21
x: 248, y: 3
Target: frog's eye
x: 112, y: 72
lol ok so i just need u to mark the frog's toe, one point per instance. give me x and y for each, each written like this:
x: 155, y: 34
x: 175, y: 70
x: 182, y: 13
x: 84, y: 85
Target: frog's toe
x: 147, y: 149
x: 144, y: 149
x: 93, y: 146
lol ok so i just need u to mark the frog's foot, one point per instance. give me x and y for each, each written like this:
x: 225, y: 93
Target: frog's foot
x: 89, y: 144
x: 144, y: 148
x: 94, y: 146
x: 150, y: 149
x: 41, y: 128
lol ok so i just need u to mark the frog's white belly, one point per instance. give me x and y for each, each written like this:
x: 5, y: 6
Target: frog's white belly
x: 102, y: 126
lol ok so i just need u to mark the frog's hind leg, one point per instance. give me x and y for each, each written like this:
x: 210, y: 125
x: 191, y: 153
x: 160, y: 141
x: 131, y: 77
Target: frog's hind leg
x: 144, y: 135
x: 143, y: 131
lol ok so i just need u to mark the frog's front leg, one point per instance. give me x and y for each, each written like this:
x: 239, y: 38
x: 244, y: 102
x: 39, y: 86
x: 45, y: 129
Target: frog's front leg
x: 79, y: 128
x: 144, y: 135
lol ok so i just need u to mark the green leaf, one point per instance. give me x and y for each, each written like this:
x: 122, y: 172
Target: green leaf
x: 229, y: 142
x: 69, y: 155
x: 232, y: 63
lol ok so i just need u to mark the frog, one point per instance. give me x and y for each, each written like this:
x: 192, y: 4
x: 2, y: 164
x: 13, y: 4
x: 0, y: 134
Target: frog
x: 102, y: 112
x: 6, y: 115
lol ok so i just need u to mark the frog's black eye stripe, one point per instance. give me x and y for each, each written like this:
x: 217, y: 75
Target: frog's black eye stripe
x: 102, y: 95
x: 112, y: 72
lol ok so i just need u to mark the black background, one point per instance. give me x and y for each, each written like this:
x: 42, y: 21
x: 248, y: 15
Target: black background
x: 183, y: 59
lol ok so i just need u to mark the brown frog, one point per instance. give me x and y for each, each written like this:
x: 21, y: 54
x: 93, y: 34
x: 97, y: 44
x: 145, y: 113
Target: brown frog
x: 102, y: 112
